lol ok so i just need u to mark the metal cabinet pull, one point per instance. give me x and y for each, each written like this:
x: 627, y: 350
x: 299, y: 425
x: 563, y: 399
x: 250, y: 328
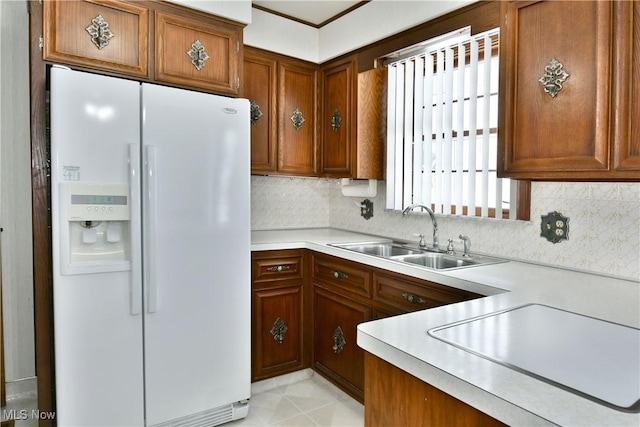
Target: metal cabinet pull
x: 278, y: 268
x: 297, y: 118
x: 100, y: 32
x: 414, y: 299
x: 340, y: 275
x: 256, y: 112
x: 336, y: 120
x: 338, y: 340
x: 278, y: 330
x: 197, y: 54
x: 553, y: 78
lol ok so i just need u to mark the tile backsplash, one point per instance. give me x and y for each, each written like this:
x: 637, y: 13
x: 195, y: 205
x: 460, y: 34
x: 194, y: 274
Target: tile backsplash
x: 604, y: 226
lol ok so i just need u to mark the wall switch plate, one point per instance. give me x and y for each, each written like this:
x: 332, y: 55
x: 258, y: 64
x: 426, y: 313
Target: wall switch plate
x: 555, y: 227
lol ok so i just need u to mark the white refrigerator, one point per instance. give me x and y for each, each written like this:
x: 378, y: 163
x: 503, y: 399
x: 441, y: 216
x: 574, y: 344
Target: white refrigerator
x: 151, y: 253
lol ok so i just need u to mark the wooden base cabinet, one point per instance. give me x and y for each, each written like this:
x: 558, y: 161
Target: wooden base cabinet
x: 278, y: 322
x: 395, y: 398
x: 568, y: 72
x: 336, y: 353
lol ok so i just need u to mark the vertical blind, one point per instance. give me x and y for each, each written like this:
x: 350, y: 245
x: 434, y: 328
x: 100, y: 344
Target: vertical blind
x: 442, y: 128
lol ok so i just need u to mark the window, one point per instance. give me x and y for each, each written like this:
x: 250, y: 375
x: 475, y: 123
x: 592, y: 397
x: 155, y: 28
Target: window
x: 442, y: 128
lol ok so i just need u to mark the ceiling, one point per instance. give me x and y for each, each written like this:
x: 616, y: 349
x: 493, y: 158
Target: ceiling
x: 311, y: 12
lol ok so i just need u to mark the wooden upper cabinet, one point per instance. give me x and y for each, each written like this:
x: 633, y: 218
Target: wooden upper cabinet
x: 100, y: 34
x: 338, y: 118
x: 259, y: 87
x: 297, y: 103
x: 201, y: 53
x: 352, y: 121
x: 568, y: 130
x: 627, y: 87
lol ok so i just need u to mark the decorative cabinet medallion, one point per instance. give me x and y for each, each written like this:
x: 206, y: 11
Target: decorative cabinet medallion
x: 553, y: 78
x: 198, y: 55
x: 100, y: 32
x: 297, y: 119
x: 278, y: 330
x: 336, y: 119
x: 256, y: 112
x: 338, y: 340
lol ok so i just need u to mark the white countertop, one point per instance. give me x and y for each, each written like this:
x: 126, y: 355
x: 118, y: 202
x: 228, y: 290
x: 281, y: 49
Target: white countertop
x: 504, y: 393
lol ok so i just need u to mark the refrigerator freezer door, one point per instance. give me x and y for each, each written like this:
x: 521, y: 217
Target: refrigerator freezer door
x: 98, y: 342
x: 197, y: 329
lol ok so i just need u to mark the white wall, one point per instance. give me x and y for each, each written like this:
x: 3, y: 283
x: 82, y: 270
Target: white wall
x: 369, y: 23
x: 15, y: 192
x: 277, y: 34
x: 236, y: 10
x: 376, y: 20
x: 604, y: 225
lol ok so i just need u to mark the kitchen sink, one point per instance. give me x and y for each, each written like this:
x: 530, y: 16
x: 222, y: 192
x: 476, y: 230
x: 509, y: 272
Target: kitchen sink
x: 437, y: 261
x: 385, y: 250
x: 428, y: 258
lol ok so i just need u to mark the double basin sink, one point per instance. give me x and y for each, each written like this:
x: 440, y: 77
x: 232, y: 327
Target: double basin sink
x: 427, y: 258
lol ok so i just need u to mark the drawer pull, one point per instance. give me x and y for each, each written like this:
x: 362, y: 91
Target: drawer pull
x: 338, y: 341
x: 340, y: 275
x: 278, y: 330
x: 414, y: 299
x: 278, y: 268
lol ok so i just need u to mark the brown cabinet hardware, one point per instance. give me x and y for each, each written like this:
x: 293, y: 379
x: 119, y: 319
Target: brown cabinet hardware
x: 414, y: 299
x: 340, y: 275
x: 278, y: 330
x: 338, y: 340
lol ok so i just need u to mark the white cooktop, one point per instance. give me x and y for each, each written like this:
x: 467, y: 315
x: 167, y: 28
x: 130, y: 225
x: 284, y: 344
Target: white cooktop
x: 596, y: 359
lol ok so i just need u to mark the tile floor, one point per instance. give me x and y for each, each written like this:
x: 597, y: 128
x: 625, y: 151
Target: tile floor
x: 299, y: 399
x: 306, y: 399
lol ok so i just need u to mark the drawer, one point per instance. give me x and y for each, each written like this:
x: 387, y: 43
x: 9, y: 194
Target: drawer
x: 410, y: 294
x: 271, y: 266
x: 345, y: 275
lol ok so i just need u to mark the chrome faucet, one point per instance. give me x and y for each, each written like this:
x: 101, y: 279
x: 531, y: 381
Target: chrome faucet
x: 409, y: 208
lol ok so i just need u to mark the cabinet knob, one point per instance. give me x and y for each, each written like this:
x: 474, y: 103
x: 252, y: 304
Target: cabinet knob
x: 338, y: 340
x: 414, y: 299
x: 278, y: 268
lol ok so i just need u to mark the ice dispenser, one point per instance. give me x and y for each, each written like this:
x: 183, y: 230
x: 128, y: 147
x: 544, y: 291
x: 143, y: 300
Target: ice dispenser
x: 95, y: 229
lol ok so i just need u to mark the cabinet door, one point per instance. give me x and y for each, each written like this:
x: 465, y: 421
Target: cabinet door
x: 338, y: 123
x: 259, y: 87
x: 201, y: 53
x: 104, y: 34
x: 569, y: 134
x: 337, y: 354
x: 277, y: 332
x: 297, y: 148
x: 627, y: 79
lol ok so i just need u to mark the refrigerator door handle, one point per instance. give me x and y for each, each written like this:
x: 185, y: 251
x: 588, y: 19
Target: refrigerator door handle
x: 136, y: 233
x: 151, y: 245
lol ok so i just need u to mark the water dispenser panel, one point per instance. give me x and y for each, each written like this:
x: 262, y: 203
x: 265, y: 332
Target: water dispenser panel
x: 97, y: 202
